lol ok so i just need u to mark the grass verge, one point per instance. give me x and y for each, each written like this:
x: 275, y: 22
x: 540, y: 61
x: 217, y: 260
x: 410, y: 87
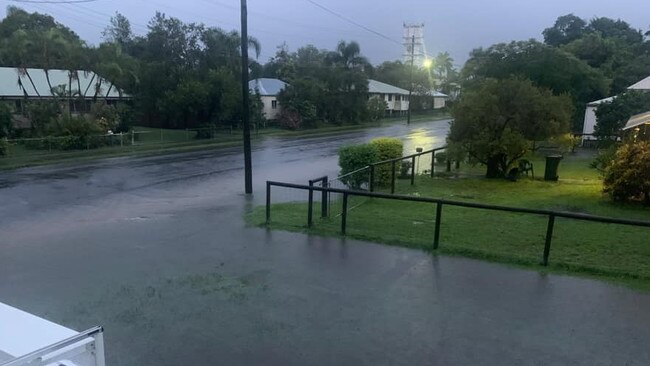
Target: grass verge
x: 154, y: 141
x: 615, y: 253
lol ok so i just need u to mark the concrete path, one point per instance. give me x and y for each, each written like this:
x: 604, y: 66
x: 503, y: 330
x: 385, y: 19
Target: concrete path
x: 155, y: 249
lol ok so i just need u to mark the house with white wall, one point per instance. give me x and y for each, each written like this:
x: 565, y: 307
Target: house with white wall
x: 268, y: 89
x: 589, y: 124
x: 396, y: 98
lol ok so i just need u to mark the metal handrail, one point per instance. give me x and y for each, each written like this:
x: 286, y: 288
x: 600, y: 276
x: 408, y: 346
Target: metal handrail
x: 440, y: 202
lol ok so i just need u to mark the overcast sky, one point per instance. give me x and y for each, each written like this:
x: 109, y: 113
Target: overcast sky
x: 456, y: 26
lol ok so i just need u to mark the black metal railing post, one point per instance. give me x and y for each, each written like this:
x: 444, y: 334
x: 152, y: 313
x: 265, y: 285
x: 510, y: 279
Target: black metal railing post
x: 433, y: 163
x: 344, y: 213
x: 392, y: 178
x: 413, y: 170
x: 324, y: 200
x: 268, y: 202
x: 436, y: 234
x: 371, y: 184
x: 549, y: 237
x: 310, y: 205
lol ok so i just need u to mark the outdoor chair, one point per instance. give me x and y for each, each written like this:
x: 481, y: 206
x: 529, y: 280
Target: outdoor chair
x: 526, y: 166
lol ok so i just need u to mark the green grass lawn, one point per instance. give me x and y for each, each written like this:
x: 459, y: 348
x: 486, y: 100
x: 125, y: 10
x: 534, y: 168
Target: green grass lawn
x: 613, y: 252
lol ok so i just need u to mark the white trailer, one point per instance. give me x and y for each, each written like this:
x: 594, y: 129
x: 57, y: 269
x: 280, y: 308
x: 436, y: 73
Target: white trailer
x: 26, y: 339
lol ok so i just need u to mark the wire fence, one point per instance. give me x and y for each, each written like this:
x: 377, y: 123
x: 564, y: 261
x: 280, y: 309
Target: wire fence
x: 138, y: 138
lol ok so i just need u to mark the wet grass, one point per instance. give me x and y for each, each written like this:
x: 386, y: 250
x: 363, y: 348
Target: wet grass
x: 611, y: 252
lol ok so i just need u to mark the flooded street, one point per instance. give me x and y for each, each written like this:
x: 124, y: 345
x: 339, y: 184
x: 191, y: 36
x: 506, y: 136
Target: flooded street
x: 156, y: 250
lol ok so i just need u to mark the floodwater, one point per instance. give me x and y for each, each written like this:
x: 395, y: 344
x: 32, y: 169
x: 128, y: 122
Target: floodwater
x: 156, y: 250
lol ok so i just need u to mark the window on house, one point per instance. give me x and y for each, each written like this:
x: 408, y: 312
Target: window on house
x: 390, y: 97
x: 274, y: 104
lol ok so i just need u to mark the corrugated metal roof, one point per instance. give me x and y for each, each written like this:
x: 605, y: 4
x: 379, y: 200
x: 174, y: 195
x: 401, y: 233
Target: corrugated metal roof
x: 266, y: 86
x: 637, y: 120
x: 377, y: 87
x: 14, y: 83
x: 641, y: 85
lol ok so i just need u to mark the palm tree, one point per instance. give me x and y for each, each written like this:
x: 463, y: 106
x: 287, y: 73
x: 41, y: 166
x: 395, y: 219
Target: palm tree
x: 348, y: 55
x: 23, y: 46
x: 54, y: 47
x: 444, y: 65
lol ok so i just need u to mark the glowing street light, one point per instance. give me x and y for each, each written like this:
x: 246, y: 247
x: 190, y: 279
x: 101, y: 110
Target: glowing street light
x: 427, y: 63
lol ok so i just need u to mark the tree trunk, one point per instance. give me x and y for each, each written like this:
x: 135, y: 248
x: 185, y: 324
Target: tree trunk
x: 47, y: 77
x: 495, y: 166
x: 32, y: 82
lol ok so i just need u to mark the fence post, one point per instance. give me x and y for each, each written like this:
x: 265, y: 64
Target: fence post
x: 268, y: 202
x: 433, y: 163
x: 413, y: 170
x: 448, y: 165
x: 310, y: 204
x: 323, y: 205
x: 121, y: 139
x: 436, y: 235
x: 371, y: 185
x: 344, y: 213
x: 392, y: 179
x: 549, y: 237
x: 132, y: 137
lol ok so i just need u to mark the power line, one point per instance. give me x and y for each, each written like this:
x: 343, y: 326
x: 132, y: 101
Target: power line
x: 340, y: 16
x: 53, y: 1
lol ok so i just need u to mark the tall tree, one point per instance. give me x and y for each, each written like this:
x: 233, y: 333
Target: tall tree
x: 496, y: 121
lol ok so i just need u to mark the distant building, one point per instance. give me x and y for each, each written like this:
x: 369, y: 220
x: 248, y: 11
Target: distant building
x: 589, y: 124
x: 396, y: 98
x: 268, y: 89
x: 433, y: 100
x: 75, y: 89
x: 639, y: 126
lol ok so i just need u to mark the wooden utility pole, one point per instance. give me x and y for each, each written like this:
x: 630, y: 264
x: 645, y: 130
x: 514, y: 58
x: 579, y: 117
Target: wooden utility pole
x: 248, y: 166
x: 408, y: 112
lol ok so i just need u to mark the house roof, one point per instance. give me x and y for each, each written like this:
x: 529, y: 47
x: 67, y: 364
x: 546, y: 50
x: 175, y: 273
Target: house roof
x: 16, y: 83
x: 600, y: 101
x: 377, y: 87
x: 638, y: 120
x: 641, y: 85
x: 266, y: 86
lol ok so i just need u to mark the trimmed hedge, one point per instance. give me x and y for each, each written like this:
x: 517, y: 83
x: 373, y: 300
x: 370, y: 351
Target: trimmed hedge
x: 354, y: 157
x: 386, y: 148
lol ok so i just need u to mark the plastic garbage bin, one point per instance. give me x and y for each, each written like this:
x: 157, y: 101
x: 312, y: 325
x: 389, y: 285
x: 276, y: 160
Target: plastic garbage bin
x: 552, y: 163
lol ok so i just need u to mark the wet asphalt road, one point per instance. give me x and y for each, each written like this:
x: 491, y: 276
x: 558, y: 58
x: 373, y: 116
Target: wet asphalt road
x: 155, y: 249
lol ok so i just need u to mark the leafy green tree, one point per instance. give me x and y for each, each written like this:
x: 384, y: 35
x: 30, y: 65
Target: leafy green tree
x: 496, y: 121
x: 545, y: 66
x: 612, y: 116
x: 566, y: 29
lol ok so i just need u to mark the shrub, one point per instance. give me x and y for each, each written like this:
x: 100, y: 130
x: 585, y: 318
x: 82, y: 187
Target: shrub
x: 627, y: 178
x: 376, y: 108
x: 6, y: 124
x: 355, y: 157
x: 441, y: 157
x: 105, y: 116
x: 604, y: 159
x: 386, y: 148
x: 4, y: 146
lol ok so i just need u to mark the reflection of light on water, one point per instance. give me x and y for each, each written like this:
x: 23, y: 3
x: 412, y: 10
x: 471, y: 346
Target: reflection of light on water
x: 425, y: 139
